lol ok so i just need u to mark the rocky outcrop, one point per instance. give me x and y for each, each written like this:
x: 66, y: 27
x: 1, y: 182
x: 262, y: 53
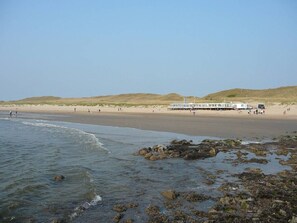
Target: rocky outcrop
x: 254, y: 197
x: 170, y: 194
x: 187, y: 150
x: 59, y: 178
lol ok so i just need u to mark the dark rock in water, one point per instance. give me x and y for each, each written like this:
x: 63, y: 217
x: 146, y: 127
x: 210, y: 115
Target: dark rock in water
x: 155, y: 216
x: 119, y: 208
x: 182, y: 149
x: 152, y: 210
x: 258, y: 149
x: 123, y: 207
x: 181, y: 142
x: 200, y: 214
x: 59, y: 178
x: 118, y: 217
x: 255, y: 160
x: 194, y: 197
x: 132, y: 205
x: 170, y: 194
x: 58, y: 221
x: 181, y: 216
x: 254, y: 197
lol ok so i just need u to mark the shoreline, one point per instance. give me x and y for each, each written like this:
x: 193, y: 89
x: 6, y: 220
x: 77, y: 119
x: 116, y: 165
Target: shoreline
x: 246, y: 127
x: 276, y: 111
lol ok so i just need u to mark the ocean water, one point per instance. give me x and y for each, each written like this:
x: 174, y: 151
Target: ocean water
x: 100, y: 170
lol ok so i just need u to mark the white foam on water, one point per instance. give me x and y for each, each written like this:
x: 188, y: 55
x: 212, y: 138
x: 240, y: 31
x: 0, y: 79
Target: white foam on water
x: 85, y: 206
x: 96, y: 199
x: 39, y: 124
x: 249, y: 142
x: 92, y: 139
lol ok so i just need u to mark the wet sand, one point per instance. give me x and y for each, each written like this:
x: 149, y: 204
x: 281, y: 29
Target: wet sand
x: 250, y: 127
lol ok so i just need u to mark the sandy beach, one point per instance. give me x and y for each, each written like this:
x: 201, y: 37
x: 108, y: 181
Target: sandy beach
x: 277, y: 120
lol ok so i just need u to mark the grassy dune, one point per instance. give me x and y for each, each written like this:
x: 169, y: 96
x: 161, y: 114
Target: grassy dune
x: 287, y: 95
x: 122, y: 99
x: 281, y: 95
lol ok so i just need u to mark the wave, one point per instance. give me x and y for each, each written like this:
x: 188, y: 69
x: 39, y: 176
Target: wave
x: 85, y: 206
x: 91, y: 138
x: 4, y: 118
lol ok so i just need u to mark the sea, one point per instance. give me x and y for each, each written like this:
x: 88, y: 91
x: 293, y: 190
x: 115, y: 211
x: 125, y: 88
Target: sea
x: 100, y: 169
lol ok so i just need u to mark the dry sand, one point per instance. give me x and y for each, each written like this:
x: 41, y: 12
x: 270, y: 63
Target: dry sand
x: 277, y: 120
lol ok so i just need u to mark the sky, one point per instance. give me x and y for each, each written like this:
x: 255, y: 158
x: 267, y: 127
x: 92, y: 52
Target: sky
x: 74, y: 48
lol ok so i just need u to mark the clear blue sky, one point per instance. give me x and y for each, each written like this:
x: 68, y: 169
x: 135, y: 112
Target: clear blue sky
x: 86, y: 48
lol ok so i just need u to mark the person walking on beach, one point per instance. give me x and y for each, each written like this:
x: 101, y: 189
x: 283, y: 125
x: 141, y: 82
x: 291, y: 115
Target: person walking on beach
x: 10, y: 114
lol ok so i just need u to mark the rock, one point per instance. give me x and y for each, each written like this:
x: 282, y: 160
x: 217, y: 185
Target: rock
x: 58, y: 221
x: 118, y: 217
x: 213, y: 152
x: 132, y: 205
x: 282, y: 212
x: 194, y: 197
x: 162, y: 156
x: 293, y: 219
x: 148, y: 155
x: 232, y: 142
x: 159, y: 148
x: 200, y: 214
x: 282, y: 152
x: 180, y: 216
x: 254, y: 170
x: 258, y: 149
x: 154, y: 157
x: 143, y: 152
x: 209, y: 182
x: 152, y: 210
x: 119, y: 208
x: 59, y: 178
x: 154, y: 214
x: 181, y: 142
x: 255, y: 160
x: 227, y: 201
x: 239, y: 154
x: 169, y: 194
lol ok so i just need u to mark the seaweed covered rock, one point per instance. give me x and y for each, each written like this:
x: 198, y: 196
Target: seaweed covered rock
x: 59, y: 178
x: 170, y: 194
x: 185, y: 149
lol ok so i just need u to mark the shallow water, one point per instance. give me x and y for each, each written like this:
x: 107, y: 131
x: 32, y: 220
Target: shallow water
x: 100, y: 170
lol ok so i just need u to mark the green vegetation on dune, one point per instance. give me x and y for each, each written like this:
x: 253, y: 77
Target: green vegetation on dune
x: 118, y: 100
x: 280, y: 95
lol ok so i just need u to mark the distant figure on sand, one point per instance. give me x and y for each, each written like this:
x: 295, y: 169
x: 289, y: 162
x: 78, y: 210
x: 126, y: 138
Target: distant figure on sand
x: 16, y: 113
x: 10, y: 114
x: 74, y: 109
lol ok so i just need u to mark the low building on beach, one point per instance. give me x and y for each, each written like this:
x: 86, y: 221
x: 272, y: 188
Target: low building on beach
x: 209, y: 106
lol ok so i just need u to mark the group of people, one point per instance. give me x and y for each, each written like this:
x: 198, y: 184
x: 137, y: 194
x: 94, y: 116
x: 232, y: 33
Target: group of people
x: 287, y: 110
x: 257, y: 112
x: 89, y: 111
x: 11, y: 114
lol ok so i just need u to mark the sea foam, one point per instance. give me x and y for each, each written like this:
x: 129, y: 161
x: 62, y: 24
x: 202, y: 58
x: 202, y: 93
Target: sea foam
x: 90, y: 138
x: 86, y: 205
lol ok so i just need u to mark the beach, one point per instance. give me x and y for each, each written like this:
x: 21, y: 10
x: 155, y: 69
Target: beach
x: 277, y: 120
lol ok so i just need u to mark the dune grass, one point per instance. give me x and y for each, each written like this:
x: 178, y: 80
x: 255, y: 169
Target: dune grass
x: 284, y: 95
